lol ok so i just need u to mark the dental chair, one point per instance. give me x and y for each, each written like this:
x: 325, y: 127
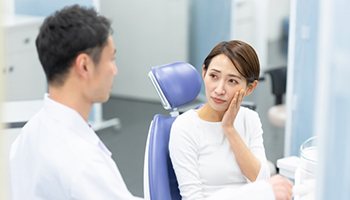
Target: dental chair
x: 177, y: 84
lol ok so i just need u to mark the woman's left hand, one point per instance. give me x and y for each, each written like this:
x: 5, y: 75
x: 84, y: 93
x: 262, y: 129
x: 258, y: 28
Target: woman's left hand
x: 232, y: 110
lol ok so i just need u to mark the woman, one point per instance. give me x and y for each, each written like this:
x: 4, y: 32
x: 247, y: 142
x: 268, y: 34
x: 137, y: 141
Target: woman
x: 220, y: 145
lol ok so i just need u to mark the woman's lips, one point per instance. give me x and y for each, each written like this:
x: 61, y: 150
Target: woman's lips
x: 218, y: 101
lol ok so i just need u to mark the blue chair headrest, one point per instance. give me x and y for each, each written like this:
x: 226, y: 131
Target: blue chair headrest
x: 176, y: 83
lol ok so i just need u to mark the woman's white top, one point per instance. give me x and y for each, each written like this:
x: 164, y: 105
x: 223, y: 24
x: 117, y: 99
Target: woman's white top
x: 202, y: 158
x: 58, y: 156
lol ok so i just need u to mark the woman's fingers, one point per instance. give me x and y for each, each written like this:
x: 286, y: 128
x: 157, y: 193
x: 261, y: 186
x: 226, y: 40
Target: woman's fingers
x: 237, y: 99
x: 241, y: 95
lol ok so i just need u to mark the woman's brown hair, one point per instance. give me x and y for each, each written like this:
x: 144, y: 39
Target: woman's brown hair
x: 241, y: 54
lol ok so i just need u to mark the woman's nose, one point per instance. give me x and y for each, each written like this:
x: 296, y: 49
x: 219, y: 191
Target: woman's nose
x: 220, y: 89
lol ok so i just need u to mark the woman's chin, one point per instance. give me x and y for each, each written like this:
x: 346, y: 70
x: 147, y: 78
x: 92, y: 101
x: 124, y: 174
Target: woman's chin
x: 218, y: 108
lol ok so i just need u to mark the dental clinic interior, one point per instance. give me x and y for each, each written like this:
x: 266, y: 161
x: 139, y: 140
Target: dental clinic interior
x: 302, y: 98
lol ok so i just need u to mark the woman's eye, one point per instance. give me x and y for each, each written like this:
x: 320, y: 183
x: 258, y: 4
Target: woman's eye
x: 213, y: 76
x: 233, y: 81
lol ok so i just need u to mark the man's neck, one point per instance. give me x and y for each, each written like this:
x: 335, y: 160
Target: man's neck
x: 71, y: 99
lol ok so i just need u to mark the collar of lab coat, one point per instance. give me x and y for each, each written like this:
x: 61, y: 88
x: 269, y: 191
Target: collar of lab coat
x: 70, y: 118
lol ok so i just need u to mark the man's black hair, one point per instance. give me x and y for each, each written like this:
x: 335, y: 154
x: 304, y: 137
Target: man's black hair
x: 67, y: 33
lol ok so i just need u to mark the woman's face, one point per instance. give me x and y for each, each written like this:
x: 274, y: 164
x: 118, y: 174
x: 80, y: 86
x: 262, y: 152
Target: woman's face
x: 222, y: 81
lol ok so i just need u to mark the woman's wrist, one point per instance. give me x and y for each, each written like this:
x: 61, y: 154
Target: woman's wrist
x: 229, y: 130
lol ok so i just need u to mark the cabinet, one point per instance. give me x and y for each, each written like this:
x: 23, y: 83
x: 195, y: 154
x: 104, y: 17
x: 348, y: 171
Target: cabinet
x: 24, y: 78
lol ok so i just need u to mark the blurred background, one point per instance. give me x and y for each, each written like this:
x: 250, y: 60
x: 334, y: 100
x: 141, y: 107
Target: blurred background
x: 303, y: 47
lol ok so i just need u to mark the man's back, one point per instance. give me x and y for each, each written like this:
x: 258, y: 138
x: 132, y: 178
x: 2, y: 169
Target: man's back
x: 58, y: 156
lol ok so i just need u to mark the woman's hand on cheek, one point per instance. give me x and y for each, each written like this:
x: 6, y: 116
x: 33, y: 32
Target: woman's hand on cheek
x: 232, y: 110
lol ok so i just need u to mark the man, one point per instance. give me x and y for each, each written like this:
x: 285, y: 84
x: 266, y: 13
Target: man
x: 58, y: 155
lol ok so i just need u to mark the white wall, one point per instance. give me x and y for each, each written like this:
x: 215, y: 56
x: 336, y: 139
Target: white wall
x: 146, y: 33
x: 277, y: 10
x: 7, y: 7
x: 4, y: 183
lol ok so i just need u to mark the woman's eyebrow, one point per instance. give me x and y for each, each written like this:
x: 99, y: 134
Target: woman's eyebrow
x: 235, y: 76
x: 215, y: 70
x: 230, y: 75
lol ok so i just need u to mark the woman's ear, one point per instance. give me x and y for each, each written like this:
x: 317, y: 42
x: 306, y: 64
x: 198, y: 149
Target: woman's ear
x: 204, y: 71
x: 251, y: 87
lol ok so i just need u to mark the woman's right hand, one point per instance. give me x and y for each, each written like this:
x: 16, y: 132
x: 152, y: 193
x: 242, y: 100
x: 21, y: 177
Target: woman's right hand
x: 232, y: 110
x: 281, y: 187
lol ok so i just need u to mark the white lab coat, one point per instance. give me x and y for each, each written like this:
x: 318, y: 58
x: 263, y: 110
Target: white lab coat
x: 58, y: 156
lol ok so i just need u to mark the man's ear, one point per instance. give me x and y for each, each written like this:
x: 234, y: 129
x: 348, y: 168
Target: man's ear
x: 82, y: 65
x: 251, y: 87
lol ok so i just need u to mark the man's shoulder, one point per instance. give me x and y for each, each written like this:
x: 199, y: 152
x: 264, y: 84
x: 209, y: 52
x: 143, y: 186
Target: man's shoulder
x: 36, y: 119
